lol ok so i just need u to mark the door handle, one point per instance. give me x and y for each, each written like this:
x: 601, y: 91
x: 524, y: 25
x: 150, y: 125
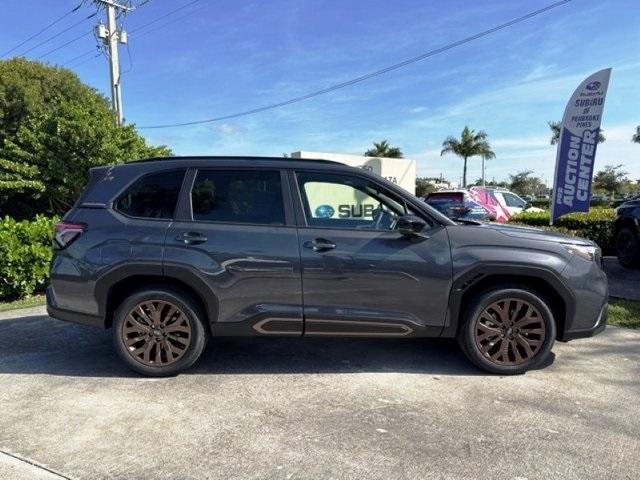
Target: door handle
x: 319, y: 245
x: 192, y: 238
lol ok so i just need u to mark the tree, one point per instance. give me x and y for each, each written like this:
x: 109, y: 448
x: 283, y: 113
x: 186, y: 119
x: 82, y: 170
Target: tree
x: 523, y: 183
x: 53, y: 128
x: 383, y: 150
x: 611, y: 179
x: 490, y: 183
x: 636, y: 136
x: 424, y: 187
x: 470, y: 144
x: 555, y: 133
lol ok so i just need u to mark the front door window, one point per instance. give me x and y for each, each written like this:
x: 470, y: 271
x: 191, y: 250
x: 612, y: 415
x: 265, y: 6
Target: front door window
x: 349, y: 202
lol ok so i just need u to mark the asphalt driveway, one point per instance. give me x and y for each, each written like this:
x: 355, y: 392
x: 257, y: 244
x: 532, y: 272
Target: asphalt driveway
x: 321, y: 408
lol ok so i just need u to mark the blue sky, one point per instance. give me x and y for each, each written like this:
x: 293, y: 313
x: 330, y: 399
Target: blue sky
x: 218, y: 57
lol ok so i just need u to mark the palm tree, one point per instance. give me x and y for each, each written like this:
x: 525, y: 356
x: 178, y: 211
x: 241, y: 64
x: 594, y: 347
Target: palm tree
x: 636, y: 136
x: 383, y: 150
x: 555, y: 133
x: 471, y: 144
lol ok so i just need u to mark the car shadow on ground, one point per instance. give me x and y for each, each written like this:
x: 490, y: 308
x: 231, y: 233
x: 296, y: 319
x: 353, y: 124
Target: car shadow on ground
x: 42, y: 345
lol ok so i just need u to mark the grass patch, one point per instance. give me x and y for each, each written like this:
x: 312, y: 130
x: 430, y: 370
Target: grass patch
x: 26, y: 302
x: 624, y: 313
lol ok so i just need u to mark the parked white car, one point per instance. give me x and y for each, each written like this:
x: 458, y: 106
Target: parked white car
x: 482, y: 203
x: 512, y: 202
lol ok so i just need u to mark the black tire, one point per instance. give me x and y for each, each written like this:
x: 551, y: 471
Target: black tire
x: 188, y: 318
x: 470, y: 332
x: 628, y: 248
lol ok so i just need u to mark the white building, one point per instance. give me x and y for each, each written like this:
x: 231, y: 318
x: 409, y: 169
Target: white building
x: 401, y: 171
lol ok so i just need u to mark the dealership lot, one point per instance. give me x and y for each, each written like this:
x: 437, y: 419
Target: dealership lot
x: 294, y: 408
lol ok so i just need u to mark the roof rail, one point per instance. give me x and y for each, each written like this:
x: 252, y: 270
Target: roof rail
x: 233, y: 157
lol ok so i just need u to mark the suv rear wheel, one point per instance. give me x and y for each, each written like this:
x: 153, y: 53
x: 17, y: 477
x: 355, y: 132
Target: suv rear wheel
x: 159, y: 331
x: 628, y: 248
x: 507, y: 331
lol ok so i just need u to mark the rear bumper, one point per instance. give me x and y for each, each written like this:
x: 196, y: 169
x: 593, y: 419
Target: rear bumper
x: 69, y: 316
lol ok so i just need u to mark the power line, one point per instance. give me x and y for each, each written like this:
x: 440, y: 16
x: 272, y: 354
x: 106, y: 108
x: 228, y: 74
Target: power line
x: 170, y: 21
x: 71, y: 60
x: 39, y: 32
x: 75, y: 39
x: 58, y: 34
x: 164, y: 16
x: 88, y: 59
x: 367, y: 76
x: 147, y: 24
x: 78, y: 57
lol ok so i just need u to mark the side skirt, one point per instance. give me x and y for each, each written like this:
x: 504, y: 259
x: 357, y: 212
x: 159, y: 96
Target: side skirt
x: 356, y: 328
x: 296, y: 327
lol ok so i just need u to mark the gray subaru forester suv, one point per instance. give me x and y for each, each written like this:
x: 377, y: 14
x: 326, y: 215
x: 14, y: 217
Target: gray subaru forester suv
x: 168, y: 252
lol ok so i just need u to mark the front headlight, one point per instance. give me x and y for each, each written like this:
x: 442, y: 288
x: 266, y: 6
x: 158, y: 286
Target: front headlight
x: 588, y: 252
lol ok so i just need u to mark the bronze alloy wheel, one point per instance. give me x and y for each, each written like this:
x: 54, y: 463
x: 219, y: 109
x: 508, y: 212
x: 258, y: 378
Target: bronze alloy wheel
x: 509, y: 332
x: 156, y: 333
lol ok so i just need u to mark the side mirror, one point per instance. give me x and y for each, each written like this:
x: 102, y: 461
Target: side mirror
x: 411, y: 226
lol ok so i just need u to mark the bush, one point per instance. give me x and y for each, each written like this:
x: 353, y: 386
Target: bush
x: 540, y: 203
x: 597, y: 225
x: 25, y: 253
x: 593, y: 203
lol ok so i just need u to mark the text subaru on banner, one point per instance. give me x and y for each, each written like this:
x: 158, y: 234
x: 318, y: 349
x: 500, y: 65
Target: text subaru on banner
x: 577, y: 146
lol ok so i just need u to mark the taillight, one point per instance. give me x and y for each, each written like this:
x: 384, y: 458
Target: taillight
x: 65, y: 233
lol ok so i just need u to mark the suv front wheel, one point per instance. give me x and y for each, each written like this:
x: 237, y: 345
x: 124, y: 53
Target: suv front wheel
x: 507, y: 331
x: 628, y: 248
x: 159, y: 331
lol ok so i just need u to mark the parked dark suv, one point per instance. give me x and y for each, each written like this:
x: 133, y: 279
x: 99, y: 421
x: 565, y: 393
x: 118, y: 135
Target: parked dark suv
x: 626, y: 231
x: 168, y: 252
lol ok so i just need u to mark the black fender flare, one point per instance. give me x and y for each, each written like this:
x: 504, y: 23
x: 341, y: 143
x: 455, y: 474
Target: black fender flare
x: 468, y: 278
x: 182, y: 274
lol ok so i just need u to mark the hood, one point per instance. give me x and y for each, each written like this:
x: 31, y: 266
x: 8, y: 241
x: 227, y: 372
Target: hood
x: 531, y: 233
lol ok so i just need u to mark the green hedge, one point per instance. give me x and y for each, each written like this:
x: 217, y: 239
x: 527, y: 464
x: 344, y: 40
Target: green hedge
x: 25, y: 253
x: 597, y: 225
x: 540, y: 203
x: 594, y: 203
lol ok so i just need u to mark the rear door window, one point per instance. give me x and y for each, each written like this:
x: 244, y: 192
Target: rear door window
x: 512, y: 200
x: 238, y: 196
x: 152, y: 196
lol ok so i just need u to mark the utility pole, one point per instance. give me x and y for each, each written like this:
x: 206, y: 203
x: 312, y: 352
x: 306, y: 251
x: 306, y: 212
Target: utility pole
x: 483, y: 182
x: 111, y: 37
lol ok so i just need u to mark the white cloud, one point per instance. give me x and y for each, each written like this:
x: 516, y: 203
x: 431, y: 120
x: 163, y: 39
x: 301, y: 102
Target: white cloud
x: 230, y: 129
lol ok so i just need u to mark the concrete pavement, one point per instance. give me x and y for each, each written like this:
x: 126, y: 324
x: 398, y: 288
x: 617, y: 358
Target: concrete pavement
x: 314, y: 408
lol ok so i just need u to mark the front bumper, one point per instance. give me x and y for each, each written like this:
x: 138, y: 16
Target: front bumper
x: 588, y: 311
x: 599, y: 326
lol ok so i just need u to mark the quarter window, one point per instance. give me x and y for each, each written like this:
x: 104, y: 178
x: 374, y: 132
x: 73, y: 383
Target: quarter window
x: 337, y: 201
x: 238, y: 196
x: 153, y: 196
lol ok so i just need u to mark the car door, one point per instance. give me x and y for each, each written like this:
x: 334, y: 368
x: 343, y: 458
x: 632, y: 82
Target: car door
x: 237, y: 238
x: 360, y: 276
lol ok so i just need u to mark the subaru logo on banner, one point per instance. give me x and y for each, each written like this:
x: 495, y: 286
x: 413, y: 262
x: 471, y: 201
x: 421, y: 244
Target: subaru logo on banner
x: 577, y: 146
